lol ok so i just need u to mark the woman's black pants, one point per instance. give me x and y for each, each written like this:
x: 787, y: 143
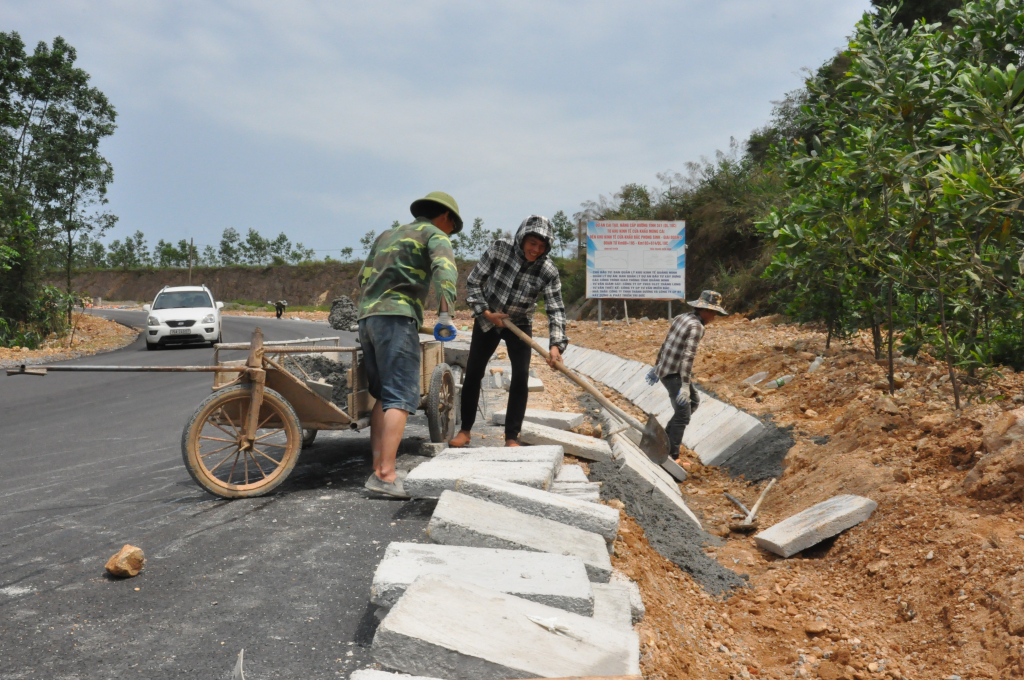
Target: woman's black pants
x: 481, y: 348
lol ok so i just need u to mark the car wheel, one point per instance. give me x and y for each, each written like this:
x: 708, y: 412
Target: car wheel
x: 151, y: 346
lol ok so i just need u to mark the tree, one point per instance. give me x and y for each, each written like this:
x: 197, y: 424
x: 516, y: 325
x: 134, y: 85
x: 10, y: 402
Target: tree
x: 346, y: 254
x: 209, y: 257
x: 51, y: 125
x: 909, y: 11
x: 255, y: 249
x: 368, y: 239
x: 131, y: 254
x: 565, y: 231
x: 229, y: 250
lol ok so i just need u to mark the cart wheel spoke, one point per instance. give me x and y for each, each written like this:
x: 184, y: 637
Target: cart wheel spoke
x: 276, y: 446
x: 257, y: 464
x: 221, y: 413
x: 264, y: 436
x: 233, y: 453
x: 204, y: 455
x: 270, y: 458
x: 230, y: 434
x: 218, y: 439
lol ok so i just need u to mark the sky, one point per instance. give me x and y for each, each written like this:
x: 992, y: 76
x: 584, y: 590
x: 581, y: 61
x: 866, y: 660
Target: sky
x: 325, y: 119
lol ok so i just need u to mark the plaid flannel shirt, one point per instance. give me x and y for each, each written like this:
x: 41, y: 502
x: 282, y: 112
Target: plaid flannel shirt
x: 505, y: 281
x: 680, y: 346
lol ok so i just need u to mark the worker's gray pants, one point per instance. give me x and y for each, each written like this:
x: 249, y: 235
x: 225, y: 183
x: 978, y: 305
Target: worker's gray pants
x: 681, y: 417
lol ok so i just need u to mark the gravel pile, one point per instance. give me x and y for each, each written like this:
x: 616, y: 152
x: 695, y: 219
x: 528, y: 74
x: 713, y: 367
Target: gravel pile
x: 344, y: 314
x: 321, y: 368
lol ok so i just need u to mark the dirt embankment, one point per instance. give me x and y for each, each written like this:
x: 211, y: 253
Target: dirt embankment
x: 312, y: 284
x: 931, y: 586
x: 92, y: 335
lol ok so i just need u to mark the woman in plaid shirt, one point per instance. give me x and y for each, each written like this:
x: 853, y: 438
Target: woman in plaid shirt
x: 505, y: 284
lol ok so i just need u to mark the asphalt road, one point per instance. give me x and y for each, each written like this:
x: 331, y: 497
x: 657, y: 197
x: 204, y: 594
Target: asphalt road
x: 92, y: 461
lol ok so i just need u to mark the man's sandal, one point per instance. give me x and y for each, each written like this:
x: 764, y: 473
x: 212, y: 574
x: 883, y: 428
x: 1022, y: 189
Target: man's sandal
x: 460, y: 440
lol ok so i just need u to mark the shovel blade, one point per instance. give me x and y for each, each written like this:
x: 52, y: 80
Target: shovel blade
x: 654, y: 441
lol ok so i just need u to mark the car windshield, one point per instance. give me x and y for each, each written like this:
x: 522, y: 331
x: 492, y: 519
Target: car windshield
x: 182, y: 299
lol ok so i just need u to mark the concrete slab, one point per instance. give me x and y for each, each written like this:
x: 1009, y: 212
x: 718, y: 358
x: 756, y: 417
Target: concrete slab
x: 555, y: 419
x: 596, y: 518
x: 579, y: 445
x: 555, y: 580
x: 709, y: 408
x: 750, y: 438
x: 815, y: 524
x: 611, y: 605
x: 672, y: 467
x: 461, y: 631
x: 430, y: 479
x: 694, y: 435
x: 585, y: 492
x: 459, y: 519
x: 636, y: 603
x: 719, y: 444
x: 571, y: 473
x: 549, y: 453
x: 371, y: 674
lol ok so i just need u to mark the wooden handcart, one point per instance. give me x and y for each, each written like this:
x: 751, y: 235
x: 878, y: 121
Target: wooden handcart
x: 244, y: 439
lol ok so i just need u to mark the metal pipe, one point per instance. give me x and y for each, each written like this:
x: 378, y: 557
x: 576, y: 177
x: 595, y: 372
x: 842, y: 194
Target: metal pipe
x: 360, y: 424
x: 245, y: 345
x: 290, y: 350
x: 130, y: 369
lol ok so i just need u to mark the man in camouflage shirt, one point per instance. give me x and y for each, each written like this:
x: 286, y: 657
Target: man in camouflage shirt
x: 394, y: 282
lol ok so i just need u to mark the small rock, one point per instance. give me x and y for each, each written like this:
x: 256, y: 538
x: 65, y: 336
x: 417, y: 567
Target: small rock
x: 811, y: 413
x: 815, y: 627
x: 902, y: 475
x: 886, y: 405
x: 720, y: 530
x: 751, y: 392
x: 873, y: 666
x: 127, y: 562
x: 930, y: 556
x: 617, y: 504
x: 877, y: 566
x: 829, y: 671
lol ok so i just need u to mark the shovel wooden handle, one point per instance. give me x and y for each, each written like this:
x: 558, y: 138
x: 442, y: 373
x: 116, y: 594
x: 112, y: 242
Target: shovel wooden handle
x: 575, y: 377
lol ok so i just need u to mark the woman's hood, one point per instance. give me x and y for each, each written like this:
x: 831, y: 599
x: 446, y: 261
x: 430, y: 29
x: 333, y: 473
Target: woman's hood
x: 538, y: 226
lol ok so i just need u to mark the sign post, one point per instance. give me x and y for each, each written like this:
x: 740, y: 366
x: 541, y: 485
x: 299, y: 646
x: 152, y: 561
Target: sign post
x: 636, y: 260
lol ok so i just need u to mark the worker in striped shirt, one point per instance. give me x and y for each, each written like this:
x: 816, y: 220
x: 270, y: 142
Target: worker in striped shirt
x: 675, y: 363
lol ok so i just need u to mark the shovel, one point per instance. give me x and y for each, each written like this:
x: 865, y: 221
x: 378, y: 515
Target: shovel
x: 653, y: 441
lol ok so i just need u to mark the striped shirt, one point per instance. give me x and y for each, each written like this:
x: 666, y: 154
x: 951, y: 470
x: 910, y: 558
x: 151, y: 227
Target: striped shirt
x: 680, y: 346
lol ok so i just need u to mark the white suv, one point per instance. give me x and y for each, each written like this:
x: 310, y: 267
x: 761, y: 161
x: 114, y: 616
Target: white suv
x: 183, y: 314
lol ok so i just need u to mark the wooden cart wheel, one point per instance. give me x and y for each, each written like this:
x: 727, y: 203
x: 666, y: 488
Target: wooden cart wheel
x: 441, y: 404
x: 214, y: 451
x: 307, y: 437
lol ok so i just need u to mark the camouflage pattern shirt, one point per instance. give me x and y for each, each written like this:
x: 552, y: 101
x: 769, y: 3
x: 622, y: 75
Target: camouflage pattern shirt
x: 396, y: 276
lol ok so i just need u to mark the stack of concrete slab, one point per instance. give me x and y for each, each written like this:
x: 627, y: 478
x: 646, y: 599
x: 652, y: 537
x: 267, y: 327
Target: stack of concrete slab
x: 592, y: 517
x: 460, y: 631
x: 555, y: 580
x: 534, y: 466
x: 572, y: 482
x: 459, y: 519
x: 555, y: 419
x: 574, y: 444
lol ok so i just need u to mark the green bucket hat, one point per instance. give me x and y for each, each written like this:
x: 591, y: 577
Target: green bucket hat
x: 709, y: 299
x: 442, y: 199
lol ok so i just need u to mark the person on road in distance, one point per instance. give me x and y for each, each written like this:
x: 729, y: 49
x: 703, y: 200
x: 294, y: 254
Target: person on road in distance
x: 505, y: 284
x: 393, y: 283
x: 675, y: 363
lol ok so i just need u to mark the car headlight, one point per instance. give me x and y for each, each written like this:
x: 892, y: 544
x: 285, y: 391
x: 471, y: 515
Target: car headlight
x: 209, y: 318
x: 153, y: 321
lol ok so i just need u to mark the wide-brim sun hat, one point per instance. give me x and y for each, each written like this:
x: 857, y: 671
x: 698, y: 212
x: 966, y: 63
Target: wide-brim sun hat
x: 442, y: 199
x: 709, y: 299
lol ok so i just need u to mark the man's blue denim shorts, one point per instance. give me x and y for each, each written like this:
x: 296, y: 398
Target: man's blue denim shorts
x: 391, y: 356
